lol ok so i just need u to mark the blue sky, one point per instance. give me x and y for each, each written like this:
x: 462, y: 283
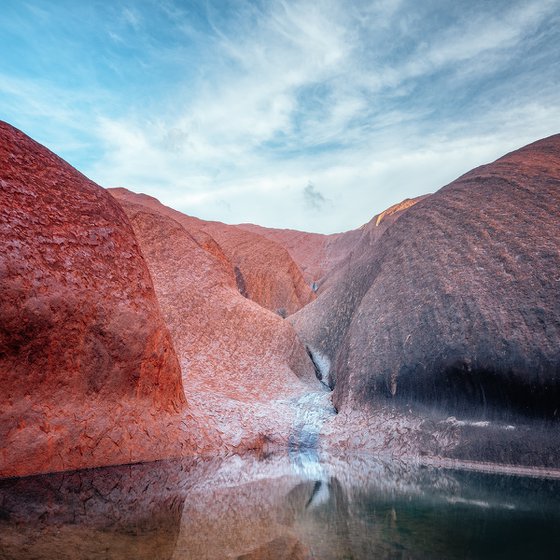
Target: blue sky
x: 312, y: 115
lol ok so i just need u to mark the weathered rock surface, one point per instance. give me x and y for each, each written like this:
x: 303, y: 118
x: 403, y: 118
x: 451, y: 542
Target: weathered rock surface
x: 323, y: 323
x: 242, y: 364
x: 309, y: 250
x: 262, y: 269
x: 437, y: 324
x: 88, y: 373
x: 318, y: 255
x: 456, y: 307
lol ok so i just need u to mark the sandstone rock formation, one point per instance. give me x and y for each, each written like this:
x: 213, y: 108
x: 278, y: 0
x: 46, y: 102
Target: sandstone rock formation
x: 437, y: 324
x: 262, y: 269
x: 88, y: 373
x: 318, y: 255
x: 240, y: 362
x: 323, y: 323
x: 309, y: 250
x: 315, y: 254
x: 455, y: 305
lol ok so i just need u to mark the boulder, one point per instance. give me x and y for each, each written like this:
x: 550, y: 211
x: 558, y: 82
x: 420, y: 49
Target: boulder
x: 453, y: 311
x: 88, y: 372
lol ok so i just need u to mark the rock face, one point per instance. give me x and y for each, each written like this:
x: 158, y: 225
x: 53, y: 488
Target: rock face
x: 88, y: 373
x: 324, y: 322
x: 437, y: 324
x: 315, y: 254
x: 309, y: 250
x: 455, y: 306
x: 318, y: 255
x: 262, y: 269
x: 231, y: 349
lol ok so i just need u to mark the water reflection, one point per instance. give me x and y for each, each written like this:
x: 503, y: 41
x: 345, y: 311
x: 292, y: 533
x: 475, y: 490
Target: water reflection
x: 278, y: 508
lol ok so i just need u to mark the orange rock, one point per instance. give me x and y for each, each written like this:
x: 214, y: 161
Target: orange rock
x: 88, y: 373
x: 231, y: 349
x: 316, y: 254
x: 309, y: 250
x: 262, y: 269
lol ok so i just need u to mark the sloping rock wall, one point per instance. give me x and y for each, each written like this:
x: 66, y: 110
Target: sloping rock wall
x: 453, y: 312
x: 239, y: 360
x: 262, y: 269
x: 88, y: 373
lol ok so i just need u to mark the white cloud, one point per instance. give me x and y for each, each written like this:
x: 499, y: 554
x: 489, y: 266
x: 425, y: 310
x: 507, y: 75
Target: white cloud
x: 348, y: 96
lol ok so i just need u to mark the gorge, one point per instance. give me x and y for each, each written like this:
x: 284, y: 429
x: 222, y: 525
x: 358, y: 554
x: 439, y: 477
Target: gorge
x: 131, y: 332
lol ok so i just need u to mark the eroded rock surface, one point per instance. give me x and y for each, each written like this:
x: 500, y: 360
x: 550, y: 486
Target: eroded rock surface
x: 320, y: 256
x: 455, y: 308
x: 309, y: 250
x: 316, y: 254
x: 437, y: 324
x: 324, y: 322
x: 262, y: 269
x: 88, y: 373
x: 244, y: 367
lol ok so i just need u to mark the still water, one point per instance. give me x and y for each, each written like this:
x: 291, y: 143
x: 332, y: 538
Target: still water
x: 294, y: 507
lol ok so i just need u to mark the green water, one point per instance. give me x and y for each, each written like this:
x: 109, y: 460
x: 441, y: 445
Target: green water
x: 278, y: 508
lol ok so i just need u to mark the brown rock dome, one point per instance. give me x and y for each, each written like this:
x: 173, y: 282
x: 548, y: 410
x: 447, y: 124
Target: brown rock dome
x: 88, y: 373
x: 453, y: 311
x: 261, y: 268
x: 462, y: 296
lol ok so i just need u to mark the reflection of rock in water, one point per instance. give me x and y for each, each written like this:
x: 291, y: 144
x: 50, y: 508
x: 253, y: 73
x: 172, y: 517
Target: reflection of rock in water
x: 246, y: 508
x: 282, y: 548
x: 241, y: 521
x: 112, y: 513
x: 362, y: 509
x: 374, y: 510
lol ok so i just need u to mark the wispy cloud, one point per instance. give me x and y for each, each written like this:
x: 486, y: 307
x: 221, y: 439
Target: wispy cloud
x: 313, y: 198
x: 232, y: 110
x: 132, y: 17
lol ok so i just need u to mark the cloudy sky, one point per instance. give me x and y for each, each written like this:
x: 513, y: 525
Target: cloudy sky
x: 313, y: 115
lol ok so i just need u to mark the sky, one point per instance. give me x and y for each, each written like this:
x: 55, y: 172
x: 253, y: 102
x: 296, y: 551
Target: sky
x: 312, y: 115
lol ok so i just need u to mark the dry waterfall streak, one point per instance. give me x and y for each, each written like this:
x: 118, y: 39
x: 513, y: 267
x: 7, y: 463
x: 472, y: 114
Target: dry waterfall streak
x: 311, y: 412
